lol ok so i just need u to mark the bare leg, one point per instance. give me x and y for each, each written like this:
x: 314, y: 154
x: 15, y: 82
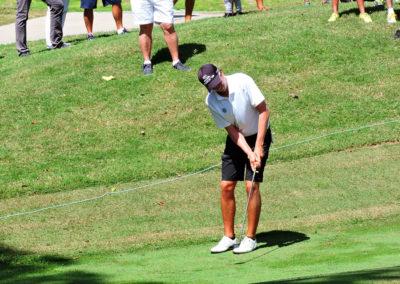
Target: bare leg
x: 189, y: 5
x: 228, y: 207
x: 254, y: 209
x: 335, y: 6
x: 117, y: 14
x: 260, y: 5
x: 88, y: 18
x: 145, y: 40
x: 361, y: 7
x: 171, y: 38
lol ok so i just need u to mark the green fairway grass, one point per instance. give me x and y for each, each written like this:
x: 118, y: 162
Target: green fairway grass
x: 322, y: 217
x: 63, y: 127
x: 331, y: 206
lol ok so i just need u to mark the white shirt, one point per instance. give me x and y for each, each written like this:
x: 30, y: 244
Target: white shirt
x: 239, y: 109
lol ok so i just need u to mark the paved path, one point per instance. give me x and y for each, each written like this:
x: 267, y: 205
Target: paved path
x: 74, y: 25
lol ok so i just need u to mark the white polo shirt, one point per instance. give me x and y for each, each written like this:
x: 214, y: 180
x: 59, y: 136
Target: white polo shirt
x: 239, y: 108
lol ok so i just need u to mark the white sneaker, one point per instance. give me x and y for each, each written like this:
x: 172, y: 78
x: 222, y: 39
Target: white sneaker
x: 224, y: 244
x: 247, y: 245
x: 391, y: 18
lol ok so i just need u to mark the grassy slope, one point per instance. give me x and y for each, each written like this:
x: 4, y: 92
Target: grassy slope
x: 88, y: 131
x: 324, y: 215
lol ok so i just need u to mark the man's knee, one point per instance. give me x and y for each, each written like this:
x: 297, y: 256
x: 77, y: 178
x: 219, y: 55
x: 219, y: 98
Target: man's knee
x: 168, y: 28
x: 228, y: 186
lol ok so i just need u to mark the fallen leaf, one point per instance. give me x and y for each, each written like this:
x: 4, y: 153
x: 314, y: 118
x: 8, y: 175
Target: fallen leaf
x: 107, y: 78
x: 294, y: 96
x: 161, y: 203
x: 33, y: 121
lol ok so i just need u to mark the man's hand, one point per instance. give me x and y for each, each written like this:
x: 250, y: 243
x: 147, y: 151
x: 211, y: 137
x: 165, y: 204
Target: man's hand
x: 255, y: 162
x: 259, y: 152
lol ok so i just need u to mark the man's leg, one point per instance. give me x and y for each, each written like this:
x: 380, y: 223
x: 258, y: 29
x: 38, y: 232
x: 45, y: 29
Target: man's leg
x: 20, y: 25
x: 145, y: 40
x: 117, y: 14
x: 56, y: 14
x: 171, y: 38
x: 361, y: 7
x: 254, y: 209
x: 48, y: 20
x: 189, y: 4
x: 335, y: 6
x: 228, y: 207
x: 88, y: 18
x: 260, y: 5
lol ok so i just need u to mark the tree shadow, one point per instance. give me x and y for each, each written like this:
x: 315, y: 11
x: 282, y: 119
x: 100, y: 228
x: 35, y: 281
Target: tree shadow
x: 19, y: 266
x: 186, y: 51
x: 276, y: 238
x: 387, y: 274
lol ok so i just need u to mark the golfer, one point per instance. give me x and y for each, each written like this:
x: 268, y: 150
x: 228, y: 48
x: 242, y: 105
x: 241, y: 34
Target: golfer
x: 238, y: 105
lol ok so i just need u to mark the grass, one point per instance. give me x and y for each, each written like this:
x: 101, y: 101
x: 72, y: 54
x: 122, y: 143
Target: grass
x: 87, y: 132
x: 323, y: 216
x: 331, y: 206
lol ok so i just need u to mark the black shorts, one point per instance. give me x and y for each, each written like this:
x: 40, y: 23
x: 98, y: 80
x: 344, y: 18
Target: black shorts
x: 235, y: 161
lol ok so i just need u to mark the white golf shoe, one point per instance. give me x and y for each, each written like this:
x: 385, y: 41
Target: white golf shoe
x: 247, y: 245
x: 224, y: 244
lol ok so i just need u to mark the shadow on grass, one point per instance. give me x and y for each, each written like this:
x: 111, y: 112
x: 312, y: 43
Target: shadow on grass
x: 369, y: 10
x: 387, y: 274
x: 26, y: 267
x: 186, y: 51
x: 276, y: 238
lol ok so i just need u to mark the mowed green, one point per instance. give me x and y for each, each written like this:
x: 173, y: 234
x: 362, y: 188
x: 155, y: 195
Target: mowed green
x: 63, y: 127
x: 322, y: 216
x: 331, y: 206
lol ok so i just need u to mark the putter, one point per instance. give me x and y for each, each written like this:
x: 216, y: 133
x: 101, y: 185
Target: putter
x: 247, y: 206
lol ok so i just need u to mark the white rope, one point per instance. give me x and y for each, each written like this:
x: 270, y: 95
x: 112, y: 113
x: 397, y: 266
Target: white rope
x: 189, y: 175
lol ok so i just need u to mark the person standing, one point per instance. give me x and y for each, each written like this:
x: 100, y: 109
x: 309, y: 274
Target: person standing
x: 56, y: 33
x: 238, y: 105
x: 189, y: 5
x: 48, y: 22
x: 364, y: 16
x: 88, y: 17
x: 148, y: 12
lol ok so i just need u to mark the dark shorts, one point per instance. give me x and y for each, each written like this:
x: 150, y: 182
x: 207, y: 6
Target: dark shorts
x: 92, y: 4
x: 235, y: 161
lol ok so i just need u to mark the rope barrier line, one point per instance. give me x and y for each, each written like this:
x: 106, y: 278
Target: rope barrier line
x: 192, y: 174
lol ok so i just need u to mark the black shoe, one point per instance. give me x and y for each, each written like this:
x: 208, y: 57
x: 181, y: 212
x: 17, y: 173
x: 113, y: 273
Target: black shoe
x: 228, y: 15
x: 397, y: 34
x: 23, y: 54
x: 239, y: 13
x: 147, y: 69
x: 181, y: 67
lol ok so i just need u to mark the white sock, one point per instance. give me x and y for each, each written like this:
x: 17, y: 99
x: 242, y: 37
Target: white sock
x: 147, y: 62
x: 119, y: 31
x: 175, y: 62
x: 390, y: 11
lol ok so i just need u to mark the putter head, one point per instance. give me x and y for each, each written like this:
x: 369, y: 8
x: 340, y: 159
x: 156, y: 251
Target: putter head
x: 236, y: 246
